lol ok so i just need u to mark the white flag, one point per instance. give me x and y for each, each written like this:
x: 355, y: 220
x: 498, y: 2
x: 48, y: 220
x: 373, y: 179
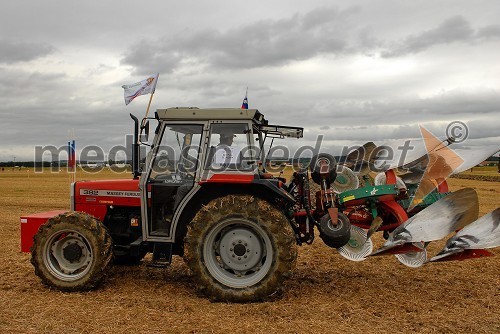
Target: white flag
x: 143, y: 87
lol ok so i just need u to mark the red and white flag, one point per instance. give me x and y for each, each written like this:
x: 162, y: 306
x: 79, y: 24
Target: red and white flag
x: 143, y: 87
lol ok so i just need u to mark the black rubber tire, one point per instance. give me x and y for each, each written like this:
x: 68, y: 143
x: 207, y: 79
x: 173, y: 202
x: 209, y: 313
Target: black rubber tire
x: 335, y: 236
x: 97, y: 239
x: 251, y: 209
x: 315, y: 168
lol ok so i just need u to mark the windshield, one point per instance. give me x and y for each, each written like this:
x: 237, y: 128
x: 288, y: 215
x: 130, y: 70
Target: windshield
x: 177, y: 155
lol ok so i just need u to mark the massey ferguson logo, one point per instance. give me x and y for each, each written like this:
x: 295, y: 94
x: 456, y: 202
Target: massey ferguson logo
x: 109, y: 193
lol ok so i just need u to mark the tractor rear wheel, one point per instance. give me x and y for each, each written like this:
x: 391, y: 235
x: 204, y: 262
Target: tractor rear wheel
x: 72, y: 252
x: 240, y: 249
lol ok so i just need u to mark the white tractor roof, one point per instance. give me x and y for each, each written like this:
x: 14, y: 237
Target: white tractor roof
x: 181, y: 113
x: 230, y: 114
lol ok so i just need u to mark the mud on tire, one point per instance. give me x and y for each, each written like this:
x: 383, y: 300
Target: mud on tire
x: 72, y: 252
x: 240, y: 249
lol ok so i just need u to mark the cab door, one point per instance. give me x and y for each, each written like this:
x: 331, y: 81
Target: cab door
x: 172, y: 173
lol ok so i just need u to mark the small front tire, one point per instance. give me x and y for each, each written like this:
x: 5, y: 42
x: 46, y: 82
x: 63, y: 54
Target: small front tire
x: 72, y: 252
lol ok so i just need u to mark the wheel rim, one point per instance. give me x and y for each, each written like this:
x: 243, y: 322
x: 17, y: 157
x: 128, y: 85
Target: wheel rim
x: 322, y: 161
x: 341, y: 179
x: 358, y: 247
x: 335, y: 228
x: 68, y: 255
x: 238, y: 253
x: 345, y: 180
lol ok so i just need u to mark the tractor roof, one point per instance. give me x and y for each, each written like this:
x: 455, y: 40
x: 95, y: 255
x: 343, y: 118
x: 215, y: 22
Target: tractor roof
x: 230, y: 114
x: 185, y: 114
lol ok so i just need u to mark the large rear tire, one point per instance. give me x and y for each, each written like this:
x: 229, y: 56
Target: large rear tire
x: 240, y: 249
x: 72, y: 252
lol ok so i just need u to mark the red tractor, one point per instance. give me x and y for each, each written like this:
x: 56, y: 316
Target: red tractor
x: 203, y: 194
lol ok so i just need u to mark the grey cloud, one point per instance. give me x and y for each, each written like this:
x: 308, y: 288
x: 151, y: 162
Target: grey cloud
x: 271, y: 43
x: 382, y: 132
x: 35, y: 91
x: 13, y: 51
x: 445, y: 106
x: 454, y: 29
x: 263, y: 43
x: 358, y: 121
x: 211, y: 67
x: 478, y: 129
x: 40, y: 109
x: 491, y: 31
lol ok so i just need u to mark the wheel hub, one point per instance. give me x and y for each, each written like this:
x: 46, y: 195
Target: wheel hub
x: 68, y: 255
x: 240, y: 249
x: 238, y: 253
x: 72, y: 252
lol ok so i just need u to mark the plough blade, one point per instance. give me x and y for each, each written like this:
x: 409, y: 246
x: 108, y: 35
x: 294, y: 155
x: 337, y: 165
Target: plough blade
x: 433, y: 223
x: 473, y: 157
x: 412, y: 177
x: 472, y: 240
x: 407, y: 160
x: 360, y: 161
x: 394, y: 249
x: 461, y: 255
x: 364, y: 153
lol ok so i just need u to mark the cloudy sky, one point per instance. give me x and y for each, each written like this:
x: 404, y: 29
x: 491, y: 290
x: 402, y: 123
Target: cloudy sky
x: 350, y: 70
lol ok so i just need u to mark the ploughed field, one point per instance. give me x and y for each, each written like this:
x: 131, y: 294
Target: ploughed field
x: 326, y: 294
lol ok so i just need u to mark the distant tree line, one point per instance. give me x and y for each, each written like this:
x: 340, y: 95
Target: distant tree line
x: 32, y: 164
x: 64, y: 163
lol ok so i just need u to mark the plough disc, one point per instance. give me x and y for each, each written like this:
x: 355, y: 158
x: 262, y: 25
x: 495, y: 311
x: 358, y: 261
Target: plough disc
x: 358, y: 247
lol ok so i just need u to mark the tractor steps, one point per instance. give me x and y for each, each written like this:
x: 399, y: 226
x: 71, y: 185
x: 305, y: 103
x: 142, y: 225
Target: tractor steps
x: 162, y: 255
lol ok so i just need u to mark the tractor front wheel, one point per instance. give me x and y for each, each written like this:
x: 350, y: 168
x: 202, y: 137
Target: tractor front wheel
x: 240, y: 248
x: 72, y: 252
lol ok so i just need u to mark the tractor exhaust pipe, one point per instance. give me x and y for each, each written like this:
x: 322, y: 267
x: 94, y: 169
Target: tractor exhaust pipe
x: 135, y: 149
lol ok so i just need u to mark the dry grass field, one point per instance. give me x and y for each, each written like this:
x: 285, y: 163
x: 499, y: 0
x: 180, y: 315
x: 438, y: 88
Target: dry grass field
x: 326, y: 294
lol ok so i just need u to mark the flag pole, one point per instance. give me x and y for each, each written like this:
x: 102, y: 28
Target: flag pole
x: 71, y: 164
x: 151, y: 97
x: 73, y: 155
x: 143, y: 123
x: 149, y: 104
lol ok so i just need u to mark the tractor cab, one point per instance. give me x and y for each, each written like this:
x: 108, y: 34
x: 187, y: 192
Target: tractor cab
x: 195, y: 154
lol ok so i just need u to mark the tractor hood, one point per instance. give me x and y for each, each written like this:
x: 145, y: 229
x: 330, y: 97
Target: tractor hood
x: 107, y: 192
